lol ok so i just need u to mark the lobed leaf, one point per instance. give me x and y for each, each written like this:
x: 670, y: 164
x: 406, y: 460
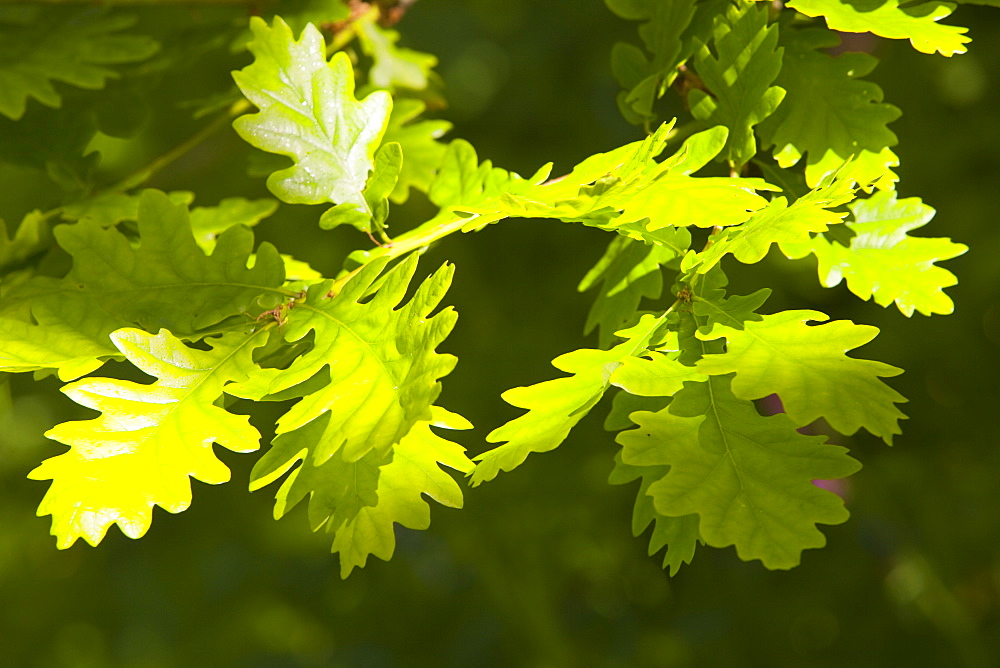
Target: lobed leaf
x: 628, y: 272
x: 829, y: 114
x: 166, y: 282
x: 806, y: 366
x: 739, y: 78
x: 882, y: 262
x: 893, y: 19
x: 149, y: 439
x: 373, y: 367
x: 679, y: 535
x: 555, y: 406
x: 73, y: 47
x: 748, y: 478
x: 307, y: 111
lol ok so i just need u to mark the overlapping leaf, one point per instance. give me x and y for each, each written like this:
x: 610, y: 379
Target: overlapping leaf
x: 781, y: 223
x: 678, y: 534
x: 882, y: 261
x: 893, y: 19
x: 422, y: 151
x: 373, y: 367
x: 627, y: 191
x: 149, y: 439
x: 628, y: 272
x: 748, y: 478
x: 645, y: 79
x: 308, y: 112
x: 807, y: 367
x: 167, y: 282
x: 74, y: 48
x: 372, y: 494
x: 829, y: 114
x: 31, y: 237
x: 555, y: 406
x: 739, y: 78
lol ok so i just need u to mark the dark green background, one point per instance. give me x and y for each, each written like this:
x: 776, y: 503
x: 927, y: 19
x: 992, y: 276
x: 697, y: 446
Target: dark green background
x: 540, y: 568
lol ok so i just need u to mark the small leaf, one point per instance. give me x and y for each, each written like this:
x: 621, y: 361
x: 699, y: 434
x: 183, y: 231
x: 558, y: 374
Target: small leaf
x: 308, y: 112
x: 555, y: 406
x: 739, y: 78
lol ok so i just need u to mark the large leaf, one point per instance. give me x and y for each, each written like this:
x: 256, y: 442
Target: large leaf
x: 882, y: 261
x: 829, y: 114
x: 308, y: 112
x: 149, y: 439
x: 748, y: 478
x: 555, y: 406
x: 888, y: 18
x: 806, y: 366
x: 375, y: 366
x: 166, y: 282
x: 739, y: 77
x: 71, y: 47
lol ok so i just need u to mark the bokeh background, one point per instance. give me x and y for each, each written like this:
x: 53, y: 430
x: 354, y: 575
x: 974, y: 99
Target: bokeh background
x: 540, y: 567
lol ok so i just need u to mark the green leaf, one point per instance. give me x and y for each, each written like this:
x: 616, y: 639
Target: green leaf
x: 394, y: 67
x: 402, y: 482
x: 308, y: 112
x: 71, y: 47
x: 388, y: 162
x: 829, y: 113
x: 383, y: 370
x: 628, y: 272
x: 886, y: 18
x: 555, y: 406
x: 882, y: 261
x: 747, y: 477
x: 806, y: 366
x: 32, y: 237
x: 781, y: 223
x: 359, y: 501
x: 149, y: 439
x: 654, y: 374
x: 419, y: 140
x: 678, y: 534
x: 208, y: 222
x: 739, y: 78
x: 109, y: 209
x: 167, y: 282
x: 627, y: 191
x: 645, y: 80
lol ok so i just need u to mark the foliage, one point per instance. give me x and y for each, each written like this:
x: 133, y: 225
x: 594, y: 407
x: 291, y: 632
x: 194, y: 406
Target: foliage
x: 137, y: 276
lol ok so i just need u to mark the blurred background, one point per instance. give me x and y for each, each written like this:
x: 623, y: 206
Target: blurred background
x: 540, y: 567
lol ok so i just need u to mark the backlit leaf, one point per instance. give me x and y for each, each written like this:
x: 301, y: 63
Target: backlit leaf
x: 149, y: 439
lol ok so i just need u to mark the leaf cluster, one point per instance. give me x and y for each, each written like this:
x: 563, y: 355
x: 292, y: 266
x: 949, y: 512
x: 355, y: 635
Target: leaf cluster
x: 777, y: 148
